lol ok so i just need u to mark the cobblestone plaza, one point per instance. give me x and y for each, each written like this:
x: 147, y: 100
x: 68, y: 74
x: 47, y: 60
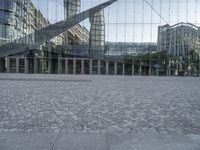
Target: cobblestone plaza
x: 100, y: 104
x: 99, y: 75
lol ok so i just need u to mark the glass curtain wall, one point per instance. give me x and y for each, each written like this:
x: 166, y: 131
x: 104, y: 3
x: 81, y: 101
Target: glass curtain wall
x: 97, y: 35
x: 71, y: 7
x: 6, y: 20
x: 128, y: 30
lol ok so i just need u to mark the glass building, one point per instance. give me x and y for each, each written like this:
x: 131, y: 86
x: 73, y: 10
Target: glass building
x: 180, y: 39
x: 72, y: 7
x: 7, y: 23
x: 19, y: 18
x: 77, y: 37
x: 97, y: 34
x: 124, y: 28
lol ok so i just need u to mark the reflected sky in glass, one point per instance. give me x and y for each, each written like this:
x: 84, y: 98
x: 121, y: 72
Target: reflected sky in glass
x: 131, y: 20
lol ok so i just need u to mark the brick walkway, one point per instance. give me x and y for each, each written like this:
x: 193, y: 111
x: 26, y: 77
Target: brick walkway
x: 88, y: 104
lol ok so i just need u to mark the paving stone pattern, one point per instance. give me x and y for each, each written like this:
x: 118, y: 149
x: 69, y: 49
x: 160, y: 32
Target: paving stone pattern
x: 99, y: 104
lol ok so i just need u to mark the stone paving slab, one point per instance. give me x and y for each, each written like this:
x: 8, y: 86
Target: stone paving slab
x: 152, y: 142
x: 82, y: 142
x: 21, y: 141
x: 195, y: 138
x: 125, y: 104
x: 59, y: 141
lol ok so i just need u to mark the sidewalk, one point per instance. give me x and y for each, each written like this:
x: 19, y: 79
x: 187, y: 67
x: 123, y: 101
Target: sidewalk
x: 56, y: 141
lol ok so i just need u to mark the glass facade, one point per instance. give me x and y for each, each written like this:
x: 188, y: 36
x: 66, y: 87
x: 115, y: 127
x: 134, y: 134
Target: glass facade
x: 72, y: 7
x: 14, y: 21
x: 134, y: 29
x: 97, y: 30
x: 5, y: 17
x: 180, y: 39
x: 6, y: 5
x: 97, y: 34
x: 125, y: 22
x: 6, y: 20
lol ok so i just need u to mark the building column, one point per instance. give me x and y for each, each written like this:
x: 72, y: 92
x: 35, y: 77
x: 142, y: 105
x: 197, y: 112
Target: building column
x: 177, y: 69
x: 17, y: 64
x: 49, y: 64
x: 90, y: 68
x: 59, y: 66
x: 198, y: 73
x: 123, y: 69
x: 157, y: 68
x: 150, y: 69
x: 133, y: 68
x: 42, y: 63
x: 140, y: 68
x: 99, y: 67
x: 66, y: 66
x: 157, y: 72
x: 2, y: 64
x: 35, y: 65
x: 115, y: 68
x: 8, y: 65
x: 107, y: 67
x: 168, y: 68
x: 26, y: 65
x: 82, y: 66
x: 74, y: 66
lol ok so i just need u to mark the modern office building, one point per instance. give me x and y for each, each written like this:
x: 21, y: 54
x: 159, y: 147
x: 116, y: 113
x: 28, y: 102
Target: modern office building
x: 17, y: 54
x: 72, y: 7
x: 96, y: 38
x: 97, y: 35
x: 20, y: 18
x: 76, y: 35
x: 179, y: 39
x: 16, y: 20
x: 68, y: 47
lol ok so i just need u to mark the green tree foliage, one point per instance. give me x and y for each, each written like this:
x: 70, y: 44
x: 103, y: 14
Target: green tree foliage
x: 161, y: 56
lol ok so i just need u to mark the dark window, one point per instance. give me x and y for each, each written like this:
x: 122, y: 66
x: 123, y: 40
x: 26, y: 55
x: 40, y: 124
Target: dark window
x: 6, y: 4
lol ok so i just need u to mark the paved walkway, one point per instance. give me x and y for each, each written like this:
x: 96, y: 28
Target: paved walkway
x: 52, y: 141
x: 99, y: 104
x: 56, y: 112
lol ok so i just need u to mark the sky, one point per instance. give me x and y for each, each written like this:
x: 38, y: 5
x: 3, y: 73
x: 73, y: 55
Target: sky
x: 131, y: 20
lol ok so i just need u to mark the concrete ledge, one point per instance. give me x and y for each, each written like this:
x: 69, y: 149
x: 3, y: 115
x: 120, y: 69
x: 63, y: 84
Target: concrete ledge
x: 152, y: 142
x: 56, y: 141
x: 195, y: 138
x: 21, y: 141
